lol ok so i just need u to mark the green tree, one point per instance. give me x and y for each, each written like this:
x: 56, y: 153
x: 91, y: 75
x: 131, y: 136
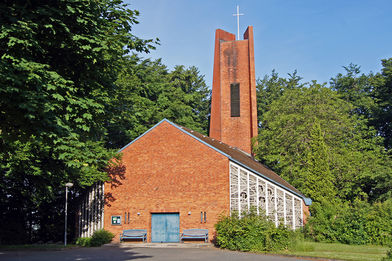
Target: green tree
x: 134, y: 103
x: 310, y: 133
x: 371, y: 96
x: 356, y: 222
x: 147, y: 93
x: 383, y: 98
x: 59, y: 60
x: 317, y: 178
x: 193, y: 95
x: 271, y: 87
x: 356, y: 88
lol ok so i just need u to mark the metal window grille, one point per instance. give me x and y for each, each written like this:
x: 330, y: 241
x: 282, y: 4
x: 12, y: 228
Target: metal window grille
x: 233, y: 189
x: 280, y: 205
x: 248, y: 190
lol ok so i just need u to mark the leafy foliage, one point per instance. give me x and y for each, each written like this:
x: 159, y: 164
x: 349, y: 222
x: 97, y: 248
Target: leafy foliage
x: 328, y: 143
x: 311, y: 138
x: 252, y: 232
x: 351, y: 223
x: 59, y: 60
x: 147, y: 92
x: 371, y: 95
x: 357, y: 89
x: 383, y: 97
x: 99, y: 238
x: 83, y: 241
x: 271, y: 87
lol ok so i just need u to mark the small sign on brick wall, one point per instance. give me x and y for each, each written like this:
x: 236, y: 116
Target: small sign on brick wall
x: 116, y: 220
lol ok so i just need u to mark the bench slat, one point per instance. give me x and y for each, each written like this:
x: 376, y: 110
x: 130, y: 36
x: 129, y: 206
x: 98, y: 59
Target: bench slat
x: 195, y: 233
x: 134, y: 234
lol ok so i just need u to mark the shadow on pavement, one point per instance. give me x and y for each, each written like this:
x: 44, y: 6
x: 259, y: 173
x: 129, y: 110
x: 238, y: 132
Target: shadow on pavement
x: 77, y: 254
x: 125, y: 253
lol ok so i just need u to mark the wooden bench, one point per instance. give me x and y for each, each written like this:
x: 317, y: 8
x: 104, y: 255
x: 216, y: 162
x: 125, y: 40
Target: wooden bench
x: 134, y: 234
x: 195, y: 233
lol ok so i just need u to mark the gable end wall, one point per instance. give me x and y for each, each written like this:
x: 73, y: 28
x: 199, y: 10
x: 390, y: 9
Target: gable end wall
x: 167, y: 170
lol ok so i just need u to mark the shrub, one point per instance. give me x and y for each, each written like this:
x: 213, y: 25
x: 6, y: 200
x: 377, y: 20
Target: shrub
x: 83, y: 241
x: 252, y: 232
x: 101, y: 237
x: 351, y: 223
x: 379, y: 223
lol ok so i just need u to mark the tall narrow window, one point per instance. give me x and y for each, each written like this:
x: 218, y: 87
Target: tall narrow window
x: 235, y: 99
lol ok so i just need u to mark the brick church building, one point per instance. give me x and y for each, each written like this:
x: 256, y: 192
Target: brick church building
x: 173, y: 178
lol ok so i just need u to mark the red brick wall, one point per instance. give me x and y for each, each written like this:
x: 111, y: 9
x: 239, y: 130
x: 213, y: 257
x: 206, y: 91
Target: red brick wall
x: 252, y: 81
x: 234, y: 63
x: 166, y: 170
x: 215, y: 125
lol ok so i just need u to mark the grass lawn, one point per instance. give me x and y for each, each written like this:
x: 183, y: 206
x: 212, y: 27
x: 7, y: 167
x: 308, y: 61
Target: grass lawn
x: 338, y: 251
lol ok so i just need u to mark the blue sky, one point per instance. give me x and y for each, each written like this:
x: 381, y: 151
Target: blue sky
x: 314, y: 37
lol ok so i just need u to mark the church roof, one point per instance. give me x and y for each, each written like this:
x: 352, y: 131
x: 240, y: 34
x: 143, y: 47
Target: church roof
x: 238, y: 156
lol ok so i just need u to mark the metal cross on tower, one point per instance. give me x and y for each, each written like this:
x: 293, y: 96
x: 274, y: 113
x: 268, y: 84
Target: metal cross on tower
x: 238, y: 21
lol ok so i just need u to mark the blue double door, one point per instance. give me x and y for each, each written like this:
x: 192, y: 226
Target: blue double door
x: 165, y: 227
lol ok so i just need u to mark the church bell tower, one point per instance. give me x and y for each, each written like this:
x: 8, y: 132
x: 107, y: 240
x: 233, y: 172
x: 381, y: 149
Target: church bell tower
x: 233, y: 105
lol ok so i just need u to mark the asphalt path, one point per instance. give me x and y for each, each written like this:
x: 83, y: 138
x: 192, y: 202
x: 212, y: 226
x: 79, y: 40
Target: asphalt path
x: 114, y: 253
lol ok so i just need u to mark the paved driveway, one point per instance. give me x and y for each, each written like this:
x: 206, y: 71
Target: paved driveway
x: 114, y: 253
